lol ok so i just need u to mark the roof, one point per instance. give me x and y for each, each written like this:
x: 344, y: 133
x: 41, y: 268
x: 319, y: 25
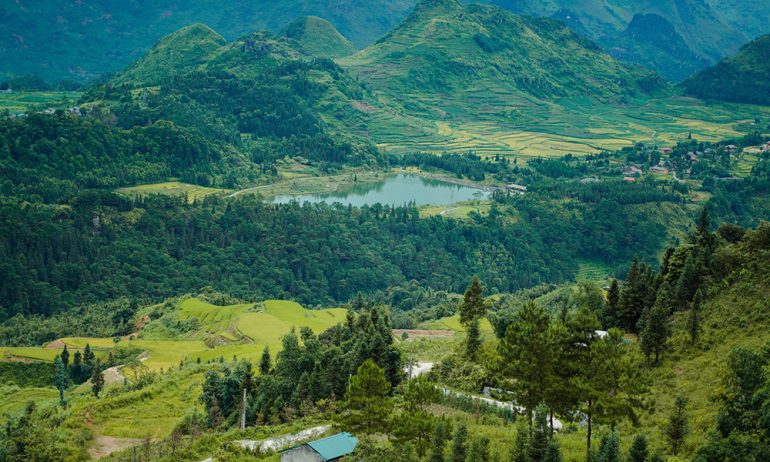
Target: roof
x: 334, y: 446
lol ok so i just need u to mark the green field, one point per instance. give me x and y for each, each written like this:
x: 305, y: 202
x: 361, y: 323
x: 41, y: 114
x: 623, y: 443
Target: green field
x: 23, y: 101
x: 246, y: 329
x: 453, y: 323
x: 571, y: 126
x: 172, y: 188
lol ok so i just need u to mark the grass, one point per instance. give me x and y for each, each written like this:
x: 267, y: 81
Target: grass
x: 460, y: 210
x: 173, y: 188
x: 23, y: 101
x: 593, y: 271
x: 453, y: 323
x: 248, y: 327
x: 15, y: 399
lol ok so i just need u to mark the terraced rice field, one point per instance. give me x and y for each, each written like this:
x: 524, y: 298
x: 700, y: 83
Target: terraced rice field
x: 593, y: 271
x: 19, y: 102
x: 250, y: 327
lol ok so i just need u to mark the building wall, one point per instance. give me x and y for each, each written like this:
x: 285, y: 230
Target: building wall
x: 302, y: 453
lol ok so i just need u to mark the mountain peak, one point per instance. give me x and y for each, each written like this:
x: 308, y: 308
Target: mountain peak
x: 436, y: 7
x: 318, y: 37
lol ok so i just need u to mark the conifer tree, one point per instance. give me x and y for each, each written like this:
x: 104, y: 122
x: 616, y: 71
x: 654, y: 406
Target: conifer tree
x: 265, y: 362
x: 76, y: 372
x: 459, y: 441
x: 611, y: 310
x: 553, y: 453
x: 633, y: 298
x: 97, y: 380
x: 540, y: 432
x: 368, y: 405
x: 478, y: 451
x: 639, y: 451
x: 472, y: 309
x: 655, y: 329
x: 693, y: 321
x: 61, y: 379
x: 521, y: 446
x: 65, y: 356
x: 609, y: 450
x: 438, y: 441
x: 676, y: 428
x: 688, y: 282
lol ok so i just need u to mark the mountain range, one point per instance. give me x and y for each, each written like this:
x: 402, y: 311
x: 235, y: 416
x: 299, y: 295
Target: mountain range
x: 58, y: 40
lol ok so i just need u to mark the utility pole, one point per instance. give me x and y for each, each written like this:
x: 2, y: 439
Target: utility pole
x: 243, y: 411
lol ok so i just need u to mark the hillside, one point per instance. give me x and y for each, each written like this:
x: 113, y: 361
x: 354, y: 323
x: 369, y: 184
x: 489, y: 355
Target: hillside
x: 318, y: 37
x: 80, y: 40
x: 654, y: 42
x: 700, y: 25
x: 449, y: 60
x: 743, y: 78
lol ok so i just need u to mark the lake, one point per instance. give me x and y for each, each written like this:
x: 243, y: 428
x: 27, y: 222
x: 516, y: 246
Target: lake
x: 394, y: 190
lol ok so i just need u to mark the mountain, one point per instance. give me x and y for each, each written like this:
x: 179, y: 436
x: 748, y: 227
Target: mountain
x: 743, y: 78
x: 72, y: 39
x: 704, y: 31
x: 752, y: 17
x: 318, y: 37
x: 184, y: 49
x: 654, y: 42
x: 477, y: 59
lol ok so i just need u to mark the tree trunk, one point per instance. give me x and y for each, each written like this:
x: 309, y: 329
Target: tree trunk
x: 550, y: 412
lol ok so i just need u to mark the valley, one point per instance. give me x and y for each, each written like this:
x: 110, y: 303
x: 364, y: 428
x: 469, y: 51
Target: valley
x: 405, y: 230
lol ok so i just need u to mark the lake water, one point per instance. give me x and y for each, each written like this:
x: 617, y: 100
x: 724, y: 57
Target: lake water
x: 394, y: 190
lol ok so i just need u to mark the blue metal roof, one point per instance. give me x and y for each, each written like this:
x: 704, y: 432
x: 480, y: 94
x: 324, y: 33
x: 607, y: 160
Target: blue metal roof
x: 335, y: 446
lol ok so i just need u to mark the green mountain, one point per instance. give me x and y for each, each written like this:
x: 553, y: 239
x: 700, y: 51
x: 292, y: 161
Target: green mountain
x: 183, y: 50
x: 318, y: 37
x: 743, y: 78
x: 654, y: 42
x: 449, y: 59
x: 76, y: 40
x: 700, y: 26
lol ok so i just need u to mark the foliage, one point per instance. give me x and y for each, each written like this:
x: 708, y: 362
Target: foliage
x: 368, y: 406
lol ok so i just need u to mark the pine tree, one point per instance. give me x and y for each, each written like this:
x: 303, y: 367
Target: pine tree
x: 633, y: 298
x: 89, y: 360
x: 458, y: 443
x: 478, y: 451
x: 97, y: 380
x: 693, y: 321
x: 473, y: 339
x: 676, y: 428
x: 61, y: 379
x: 688, y: 282
x: 438, y: 441
x: 65, y: 356
x: 655, y: 329
x: 611, y: 310
x: 609, y: 450
x: 265, y: 363
x: 521, y: 446
x: 76, y: 372
x: 639, y: 451
x: 472, y: 309
x: 553, y: 453
x: 540, y: 432
x: 368, y: 405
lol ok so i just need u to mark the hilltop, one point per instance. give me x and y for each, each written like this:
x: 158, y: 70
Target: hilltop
x: 743, y: 78
x: 81, y: 40
x: 318, y: 37
x: 446, y: 58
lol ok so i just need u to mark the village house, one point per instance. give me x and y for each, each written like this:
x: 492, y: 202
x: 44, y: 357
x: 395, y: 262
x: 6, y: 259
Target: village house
x: 632, y: 170
x: 659, y: 169
x: 665, y: 150
x: 327, y: 449
x: 630, y: 179
x: 516, y: 188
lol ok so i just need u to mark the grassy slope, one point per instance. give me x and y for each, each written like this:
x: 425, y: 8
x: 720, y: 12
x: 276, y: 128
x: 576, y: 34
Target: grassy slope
x: 742, y: 78
x: 318, y: 37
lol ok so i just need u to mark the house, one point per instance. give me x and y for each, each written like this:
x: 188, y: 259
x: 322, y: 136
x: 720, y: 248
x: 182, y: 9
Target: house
x: 632, y: 170
x: 659, y: 169
x: 326, y: 449
x: 630, y: 179
x: 665, y: 150
x: 517, y: 188
x: 731, y: 147
x: 7, y: 90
